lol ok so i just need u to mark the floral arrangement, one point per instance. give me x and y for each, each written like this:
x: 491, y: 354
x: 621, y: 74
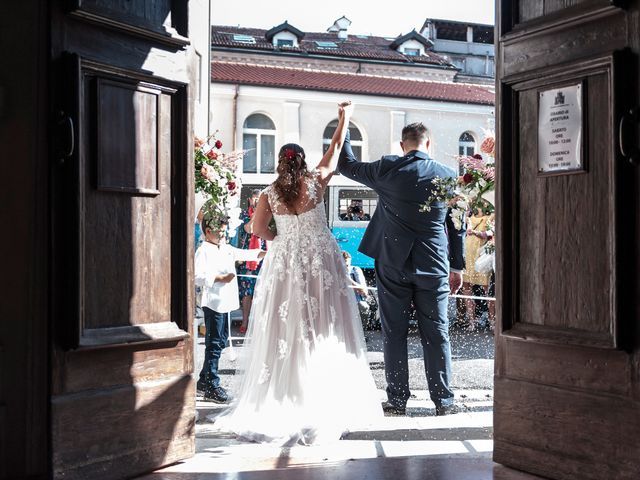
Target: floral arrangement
x: 216, y: 177
x: 490, y: 244
x: 466, y: 192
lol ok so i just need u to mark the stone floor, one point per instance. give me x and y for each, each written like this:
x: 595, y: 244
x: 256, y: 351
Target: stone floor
x: 416, y: 446
x: 396, y: 468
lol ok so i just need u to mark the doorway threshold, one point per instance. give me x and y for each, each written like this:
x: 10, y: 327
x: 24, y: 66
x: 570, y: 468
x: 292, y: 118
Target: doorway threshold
x: 416, y: 446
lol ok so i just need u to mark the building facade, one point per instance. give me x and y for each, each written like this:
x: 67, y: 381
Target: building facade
x: 271, y: 87
x: 468, y: 46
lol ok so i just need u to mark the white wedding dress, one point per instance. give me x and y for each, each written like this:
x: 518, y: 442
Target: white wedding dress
x: 303, y: 375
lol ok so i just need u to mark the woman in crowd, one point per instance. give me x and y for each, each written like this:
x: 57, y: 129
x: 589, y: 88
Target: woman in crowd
x: 246, y: 240
x: 477, y: 235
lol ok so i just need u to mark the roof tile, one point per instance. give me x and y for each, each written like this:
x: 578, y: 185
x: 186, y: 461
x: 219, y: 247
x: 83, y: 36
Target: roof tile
x: 355, y: 46
x: 222, y: 72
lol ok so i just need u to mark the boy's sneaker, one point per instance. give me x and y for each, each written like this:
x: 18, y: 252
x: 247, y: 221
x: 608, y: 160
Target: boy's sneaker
x: 216, y: 395
x: 201, y: 388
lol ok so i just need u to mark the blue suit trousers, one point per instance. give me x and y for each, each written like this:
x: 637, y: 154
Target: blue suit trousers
x: 397, y: 289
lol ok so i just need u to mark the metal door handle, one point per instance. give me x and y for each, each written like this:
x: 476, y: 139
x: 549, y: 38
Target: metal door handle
x: 627, y: 136
x: 67, y: 136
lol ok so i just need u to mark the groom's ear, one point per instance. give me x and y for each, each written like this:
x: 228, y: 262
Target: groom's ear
x: 401, y: 146
x: 428, y: 143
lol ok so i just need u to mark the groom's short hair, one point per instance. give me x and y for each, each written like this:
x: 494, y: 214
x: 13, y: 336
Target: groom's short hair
x: 415, y: 133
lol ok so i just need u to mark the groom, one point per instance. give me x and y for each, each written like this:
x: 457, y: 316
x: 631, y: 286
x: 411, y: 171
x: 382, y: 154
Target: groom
x: 418, y: 256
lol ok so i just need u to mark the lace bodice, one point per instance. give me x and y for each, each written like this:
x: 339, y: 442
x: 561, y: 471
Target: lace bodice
x: 303, y: 242
x: 309, y: 221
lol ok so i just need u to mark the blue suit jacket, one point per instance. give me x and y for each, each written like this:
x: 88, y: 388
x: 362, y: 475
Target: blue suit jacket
x: 399, y: 234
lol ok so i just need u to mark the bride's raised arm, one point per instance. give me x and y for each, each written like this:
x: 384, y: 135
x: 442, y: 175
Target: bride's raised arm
x: 329, y: 162
x: 261, y: 219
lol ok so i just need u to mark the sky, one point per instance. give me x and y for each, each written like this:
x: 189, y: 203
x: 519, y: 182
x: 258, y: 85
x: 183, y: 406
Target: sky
x: 368, y: 16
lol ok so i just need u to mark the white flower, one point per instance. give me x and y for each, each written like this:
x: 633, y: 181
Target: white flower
x: 332, y: 312
x: 283, y: 310
x: 327, y: 279
x: 315, y: 309
x: 282, y: 349
x: 206, y: 148
x: 264, y: 374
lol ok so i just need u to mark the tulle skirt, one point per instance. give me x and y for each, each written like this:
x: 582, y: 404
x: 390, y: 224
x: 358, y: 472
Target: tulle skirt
x: 303, y: 375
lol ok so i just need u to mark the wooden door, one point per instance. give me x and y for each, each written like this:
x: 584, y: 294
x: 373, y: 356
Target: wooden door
x: 567, y: 386
x: 122, y: 399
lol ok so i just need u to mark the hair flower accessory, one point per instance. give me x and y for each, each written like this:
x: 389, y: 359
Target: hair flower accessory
x: 289, y: 153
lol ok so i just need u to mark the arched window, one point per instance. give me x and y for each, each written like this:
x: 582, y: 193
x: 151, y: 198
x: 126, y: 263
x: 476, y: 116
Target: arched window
x: 466, y: 144
x: 356, y: 138
x: 259, y: 143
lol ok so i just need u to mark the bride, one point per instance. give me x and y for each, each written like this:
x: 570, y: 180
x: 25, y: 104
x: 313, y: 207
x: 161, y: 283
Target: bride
x: 305, y: 376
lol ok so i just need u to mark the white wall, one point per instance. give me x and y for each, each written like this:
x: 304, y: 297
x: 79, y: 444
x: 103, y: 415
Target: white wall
x: 380, y: 119
x: 199, y: 33
x: 414, y: 71
x: 466, y: 48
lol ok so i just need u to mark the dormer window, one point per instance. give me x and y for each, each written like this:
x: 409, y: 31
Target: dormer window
x: 248, y: 39
x: 284, y: 42
x: 412, y: 44
x: 284, y: 36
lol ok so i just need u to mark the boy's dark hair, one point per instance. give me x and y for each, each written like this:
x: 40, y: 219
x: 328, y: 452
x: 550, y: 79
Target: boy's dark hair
x: 346, y: 255
x: 415, y: 133
x: 213, y: 222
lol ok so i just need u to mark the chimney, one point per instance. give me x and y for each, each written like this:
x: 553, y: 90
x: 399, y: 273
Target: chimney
x: 340, y: 26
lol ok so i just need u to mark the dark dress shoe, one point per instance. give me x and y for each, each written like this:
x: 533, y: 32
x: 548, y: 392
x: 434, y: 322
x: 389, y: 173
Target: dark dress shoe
x: 216, y: 395
x: 442, y: 410
x: 393, y: 409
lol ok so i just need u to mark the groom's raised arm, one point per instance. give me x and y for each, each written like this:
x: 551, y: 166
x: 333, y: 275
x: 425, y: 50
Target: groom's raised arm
x: 349, y: 166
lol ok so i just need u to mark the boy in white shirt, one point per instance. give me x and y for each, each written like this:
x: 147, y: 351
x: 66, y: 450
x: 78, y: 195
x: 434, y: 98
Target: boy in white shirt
x: 215, y: 273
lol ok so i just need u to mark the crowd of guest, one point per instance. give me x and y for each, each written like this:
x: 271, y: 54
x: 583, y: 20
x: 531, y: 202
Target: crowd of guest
x: 480, y: 232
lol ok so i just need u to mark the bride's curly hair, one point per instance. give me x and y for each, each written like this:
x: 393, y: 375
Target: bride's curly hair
x: 291, y: 168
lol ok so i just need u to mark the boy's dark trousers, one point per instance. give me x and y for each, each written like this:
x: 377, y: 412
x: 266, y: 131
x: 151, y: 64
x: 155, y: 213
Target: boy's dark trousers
x: 215, y: 340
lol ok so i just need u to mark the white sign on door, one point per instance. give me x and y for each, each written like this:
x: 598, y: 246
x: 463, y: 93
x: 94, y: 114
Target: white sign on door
x: 560, y: 129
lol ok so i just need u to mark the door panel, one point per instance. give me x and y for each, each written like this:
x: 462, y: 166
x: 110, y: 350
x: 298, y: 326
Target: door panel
x: 122, y: 392
x: 567, y: 356
x: 128, y: 211
x: 123, y: 430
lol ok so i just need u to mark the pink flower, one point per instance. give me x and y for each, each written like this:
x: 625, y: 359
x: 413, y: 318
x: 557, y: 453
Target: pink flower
x: 212, y: 155
x: 489, y: 174
x: 206, y: 171
x: 473, y: 163
x: 198, y: 142
x: 488, y: 146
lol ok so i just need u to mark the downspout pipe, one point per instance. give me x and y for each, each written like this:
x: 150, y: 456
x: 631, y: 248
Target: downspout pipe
x: 235, y: 117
